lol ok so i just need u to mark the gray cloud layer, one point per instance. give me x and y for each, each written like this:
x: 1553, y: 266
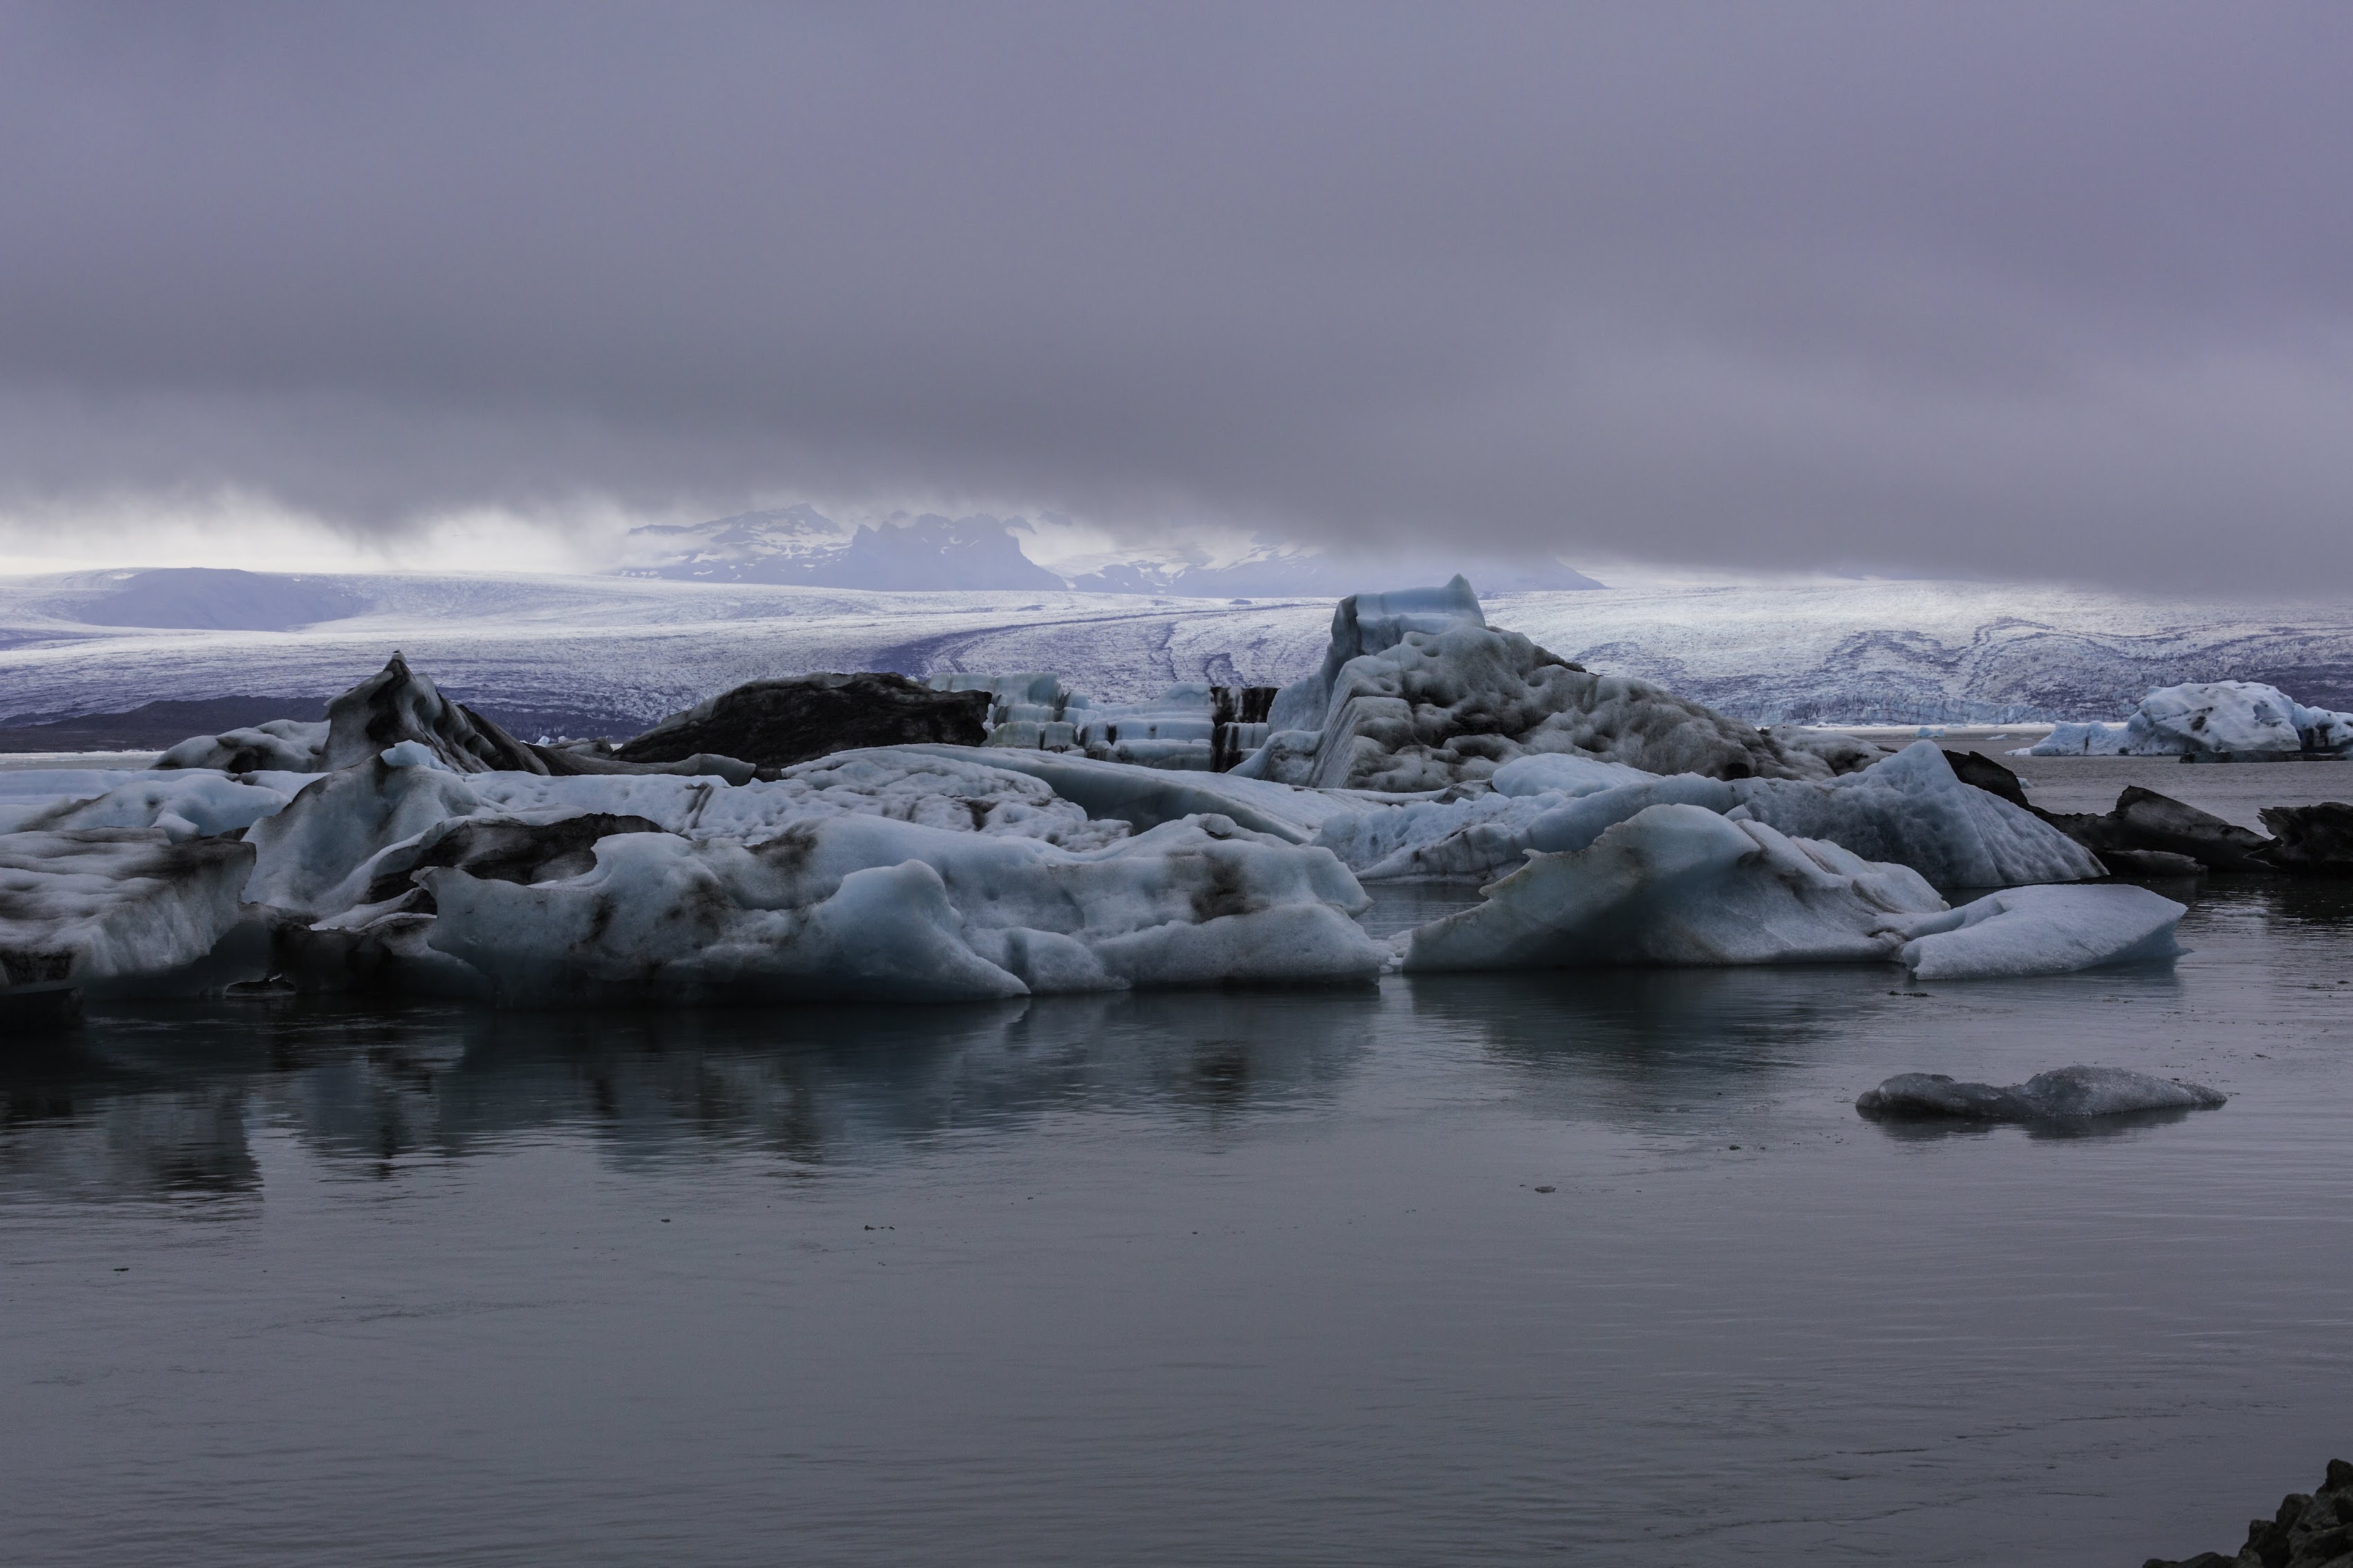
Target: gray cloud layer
x: 1995, y: 288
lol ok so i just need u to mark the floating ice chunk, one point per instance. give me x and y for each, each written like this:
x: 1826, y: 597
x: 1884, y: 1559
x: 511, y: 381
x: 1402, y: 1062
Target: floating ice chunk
x: 1679, y: 884
x: 2204, y: 718
x: 2078, y: 741
x: 2041, y: 930
x: 857, y: 906
x: 2065, y: 1094
x: 1564, y: 773
x: 121, y: 905
x: 2215, y: 716
x: 1912, y: 808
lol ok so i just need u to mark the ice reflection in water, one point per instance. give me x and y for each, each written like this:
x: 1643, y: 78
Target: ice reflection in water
x: 1186, y: 1277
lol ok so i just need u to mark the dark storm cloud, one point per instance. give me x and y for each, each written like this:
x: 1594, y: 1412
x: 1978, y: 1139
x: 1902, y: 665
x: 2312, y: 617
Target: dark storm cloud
x: 1995, y: 288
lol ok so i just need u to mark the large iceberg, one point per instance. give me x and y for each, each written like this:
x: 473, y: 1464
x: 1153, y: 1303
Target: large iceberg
x: 1418, y: 692
x: 2208, y: 718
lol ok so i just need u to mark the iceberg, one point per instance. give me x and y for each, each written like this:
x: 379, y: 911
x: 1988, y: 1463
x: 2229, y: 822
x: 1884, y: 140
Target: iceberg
x: 1680, y: 885
x: 2069, y: 1093
x: 2207, y: 718
x: 2041, y: 930
x: 1417, y: 692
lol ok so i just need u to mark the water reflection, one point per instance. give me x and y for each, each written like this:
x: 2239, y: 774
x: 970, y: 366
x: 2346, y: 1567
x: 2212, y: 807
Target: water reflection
x: 168, y: 1102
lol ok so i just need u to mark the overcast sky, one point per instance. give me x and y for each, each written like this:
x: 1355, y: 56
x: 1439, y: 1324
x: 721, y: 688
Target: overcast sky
x: 2037, y: 289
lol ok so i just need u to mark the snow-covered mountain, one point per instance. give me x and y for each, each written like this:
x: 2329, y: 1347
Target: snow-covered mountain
x: 800, y: 544
x: 609, y: 655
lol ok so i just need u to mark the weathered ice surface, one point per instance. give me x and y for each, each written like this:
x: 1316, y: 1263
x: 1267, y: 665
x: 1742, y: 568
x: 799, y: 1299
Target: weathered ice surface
x: 1680, y: 885
x: 1977, y: 769
x: 776, y: 724
x: 2041, y: 930
x: 2311, y: 838
x: 2065, y: 1094
x: 112, y: 903
x: 1418, y: 692
x: 2308, y: 1530
x: 1908, y: 809
x: 864, y: 908
x: 1912, y: 809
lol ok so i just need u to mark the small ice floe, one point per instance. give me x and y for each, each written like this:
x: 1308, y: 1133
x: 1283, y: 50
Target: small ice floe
x: 2068, y: 1094
x: 2025, y: 932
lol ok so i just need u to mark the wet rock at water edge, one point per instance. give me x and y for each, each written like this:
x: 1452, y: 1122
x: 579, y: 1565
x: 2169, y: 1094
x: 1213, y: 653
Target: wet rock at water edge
x: 776, y: 724
x: 2306, y: 1530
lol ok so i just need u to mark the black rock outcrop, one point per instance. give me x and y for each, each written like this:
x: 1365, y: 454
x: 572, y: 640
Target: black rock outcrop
x: 776, y: 724
x: 2311, y: 838
x: 2307, y: 1531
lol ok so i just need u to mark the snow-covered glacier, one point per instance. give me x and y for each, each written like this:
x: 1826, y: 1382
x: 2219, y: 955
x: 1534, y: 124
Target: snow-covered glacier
x: 610, y: 656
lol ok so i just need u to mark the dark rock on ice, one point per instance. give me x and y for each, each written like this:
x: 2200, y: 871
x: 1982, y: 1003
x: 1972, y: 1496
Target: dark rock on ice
x: 581, y: 759
x: 776, y: 724
x: 2306, y: 1530
x: 2311, y: 838
x: 2065, y: 1094
x: 498, y: 850
x: 1977, y: 768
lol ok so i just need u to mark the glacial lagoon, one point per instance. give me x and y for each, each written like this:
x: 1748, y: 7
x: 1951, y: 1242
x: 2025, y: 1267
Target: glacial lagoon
x: 1602, y: 1267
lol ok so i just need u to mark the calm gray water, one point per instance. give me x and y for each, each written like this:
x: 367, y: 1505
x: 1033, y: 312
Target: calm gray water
x: 1237, y: 1277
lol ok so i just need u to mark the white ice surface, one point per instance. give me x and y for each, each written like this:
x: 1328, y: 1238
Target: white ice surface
x: 1679, y: 885
x: 2042, y: 930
